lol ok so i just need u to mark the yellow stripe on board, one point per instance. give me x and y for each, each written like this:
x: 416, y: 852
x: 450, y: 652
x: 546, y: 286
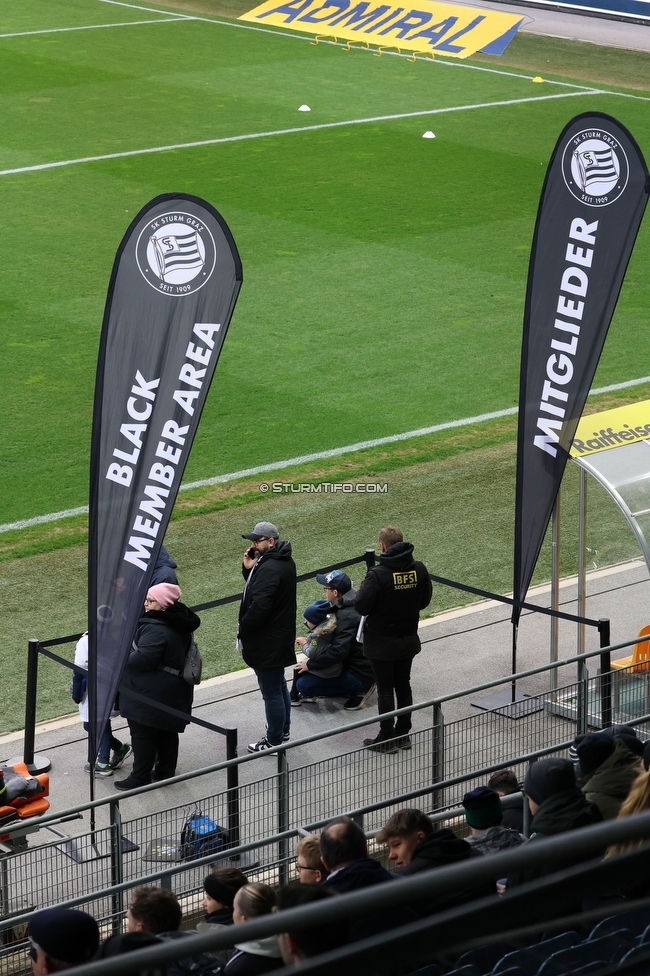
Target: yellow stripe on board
x: 444, y: 28
x: 612, y: 428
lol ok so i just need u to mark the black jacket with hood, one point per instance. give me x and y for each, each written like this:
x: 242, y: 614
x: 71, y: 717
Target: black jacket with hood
x: 391, y: 596
x: 162, y: 640
x: 267, y: 614
x: 338, y: 648
x: 440, y: 849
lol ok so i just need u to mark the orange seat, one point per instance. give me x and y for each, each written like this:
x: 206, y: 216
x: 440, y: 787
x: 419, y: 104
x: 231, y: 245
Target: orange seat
x: 24, y: 807
x: 640, y: 659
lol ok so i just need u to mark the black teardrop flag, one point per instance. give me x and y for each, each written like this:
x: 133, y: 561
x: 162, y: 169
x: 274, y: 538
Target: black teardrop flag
x: 171, y: 296
x: 592, y: 203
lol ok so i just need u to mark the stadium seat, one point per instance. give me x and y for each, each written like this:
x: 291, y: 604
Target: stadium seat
x: 431, y: 970
x: 609, y: 949
x: 484, y: 958
x: 637, y: 953
x: 464, y: 971
x: 531, y: 958
x: 640, y: 658
x: 636, y: 921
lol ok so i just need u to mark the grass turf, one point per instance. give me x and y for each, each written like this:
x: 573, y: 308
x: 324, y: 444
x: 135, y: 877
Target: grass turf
x: 384, y: 284
x: 384, y: 274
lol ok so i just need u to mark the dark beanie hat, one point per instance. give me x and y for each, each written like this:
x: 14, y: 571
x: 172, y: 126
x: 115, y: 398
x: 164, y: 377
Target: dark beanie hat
x: 546, y: 777
x: 593, y: 750
x: 221, y: 891
x: 317, y: 612
x: 65, y: 934
x: 483, y: 808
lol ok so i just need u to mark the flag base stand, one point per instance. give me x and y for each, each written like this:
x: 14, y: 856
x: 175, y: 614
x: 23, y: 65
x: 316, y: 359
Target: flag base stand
x: 83, y: 853
x: 169, y: 849
x: 502, y: 704
x: 39, y: 764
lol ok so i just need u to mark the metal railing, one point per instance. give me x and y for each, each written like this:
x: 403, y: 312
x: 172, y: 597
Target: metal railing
x: 445, y: 759
x: 526, y: 909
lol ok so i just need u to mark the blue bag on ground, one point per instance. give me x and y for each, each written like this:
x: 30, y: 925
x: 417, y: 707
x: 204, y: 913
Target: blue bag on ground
x: 201, y: 836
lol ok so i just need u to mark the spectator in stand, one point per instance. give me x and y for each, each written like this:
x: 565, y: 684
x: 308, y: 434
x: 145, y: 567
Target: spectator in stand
x: 157, y: 911
x: 299, y: 943
x: 415, y: 846
x: 504, y: 782
x: 557, y: 804
x: 258, y: 955
x: 391, y: 597
x: 556, y: 801
x: 638, y: 801
x: 220, y: 888
x: 484, y: 815
x: 334, y: 666
x: 608, y: 767
x: 309, y: 864
x: 344, y: 852
x: 60, y: 938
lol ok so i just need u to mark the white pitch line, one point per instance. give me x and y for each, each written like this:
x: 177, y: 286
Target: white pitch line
x: 294, y: 129
x: 320, y: 455
x: 64, y: 30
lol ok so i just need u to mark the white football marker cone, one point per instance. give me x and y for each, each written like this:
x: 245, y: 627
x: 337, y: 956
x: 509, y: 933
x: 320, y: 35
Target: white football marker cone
x: 304, y: 108
x: 429, y: 134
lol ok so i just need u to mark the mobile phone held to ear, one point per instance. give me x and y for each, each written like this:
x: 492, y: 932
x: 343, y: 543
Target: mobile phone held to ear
x: 252, y: 552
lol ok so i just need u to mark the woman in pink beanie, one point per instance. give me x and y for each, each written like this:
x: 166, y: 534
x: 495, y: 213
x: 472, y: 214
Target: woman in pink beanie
x: 155, y: 670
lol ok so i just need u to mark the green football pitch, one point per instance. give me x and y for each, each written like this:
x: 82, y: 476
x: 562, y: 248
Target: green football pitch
x: 384, y: 273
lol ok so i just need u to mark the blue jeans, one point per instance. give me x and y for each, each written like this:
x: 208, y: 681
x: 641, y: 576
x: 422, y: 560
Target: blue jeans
x: 313, y: 686
x: 277, y: 703
x: 108, y: 742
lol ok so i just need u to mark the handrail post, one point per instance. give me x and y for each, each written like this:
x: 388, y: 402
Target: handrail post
x: 283, y: 816
x: 605, y: 674
x: 369, y: 556
x: 438, y: 756
x: 582, y: 717
x: 232, y: 780
x: 117, y: 866
x: 35, y: 764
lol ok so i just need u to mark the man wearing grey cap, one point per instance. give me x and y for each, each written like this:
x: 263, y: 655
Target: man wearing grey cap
x: 267, y: 626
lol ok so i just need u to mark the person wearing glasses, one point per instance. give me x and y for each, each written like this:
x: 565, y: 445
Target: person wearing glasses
x: 267, y: 626
x: 309, y: 866
x: 154, y: 670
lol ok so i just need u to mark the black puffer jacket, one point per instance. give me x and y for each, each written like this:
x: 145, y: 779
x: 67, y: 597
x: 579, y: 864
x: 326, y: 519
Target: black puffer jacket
x: 267, y: 615
x: 391, y: 596
x: 162, y: 640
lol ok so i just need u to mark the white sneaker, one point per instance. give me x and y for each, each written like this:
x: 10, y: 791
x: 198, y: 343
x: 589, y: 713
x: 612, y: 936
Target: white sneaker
x: 261, y: 746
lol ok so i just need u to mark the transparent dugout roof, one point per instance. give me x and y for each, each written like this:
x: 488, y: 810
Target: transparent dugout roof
x: 624, y: 472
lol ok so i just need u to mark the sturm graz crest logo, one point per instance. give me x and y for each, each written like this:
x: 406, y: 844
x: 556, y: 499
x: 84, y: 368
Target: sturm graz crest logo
x: 176, y: 253
x: 595, y: 167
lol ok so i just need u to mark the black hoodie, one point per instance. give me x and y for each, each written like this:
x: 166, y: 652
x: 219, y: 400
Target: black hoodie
x: 440, y: 849
x: 391, y: 596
